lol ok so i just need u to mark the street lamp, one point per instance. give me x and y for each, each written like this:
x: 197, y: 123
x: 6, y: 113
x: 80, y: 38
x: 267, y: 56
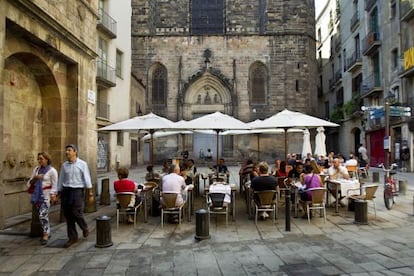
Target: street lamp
x: 387, y: 140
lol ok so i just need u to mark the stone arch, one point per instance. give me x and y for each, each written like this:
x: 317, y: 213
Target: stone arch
x: 32, y: 111
x: 207, y: 94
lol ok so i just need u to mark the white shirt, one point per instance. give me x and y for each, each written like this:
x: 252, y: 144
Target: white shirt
x: 174, y: 183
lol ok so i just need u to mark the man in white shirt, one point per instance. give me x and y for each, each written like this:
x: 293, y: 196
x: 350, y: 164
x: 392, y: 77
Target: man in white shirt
x: 336, y: 172
x: 174, y: 183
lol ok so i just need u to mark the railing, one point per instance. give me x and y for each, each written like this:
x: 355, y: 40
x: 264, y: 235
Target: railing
x: 354, y: 20
x: 406, y: 9
x: 105, y: 71
x: 106, y: 21
x: 369, y: 4
x: 338, y: 75
x: 337, y: 41
x: 370, y: 40
x: 353, y: 59
x: 102, y: 110
x: 370, y: 83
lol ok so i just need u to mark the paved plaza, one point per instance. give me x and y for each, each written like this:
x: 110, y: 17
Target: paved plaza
x: 385, y: 246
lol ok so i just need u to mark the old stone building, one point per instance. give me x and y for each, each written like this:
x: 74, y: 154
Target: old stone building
x: 249, y: 59
x: 47, y: 67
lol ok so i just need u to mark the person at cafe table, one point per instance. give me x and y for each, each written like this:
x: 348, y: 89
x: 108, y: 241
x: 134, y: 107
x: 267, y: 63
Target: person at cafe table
x: 221, y: 167
x: 263, y: 182
x: 311, y: 179
x: 337, y: 172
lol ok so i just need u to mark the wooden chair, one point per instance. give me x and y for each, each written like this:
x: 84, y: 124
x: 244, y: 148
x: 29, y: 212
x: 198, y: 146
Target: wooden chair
x: 265, y: 201
x: 367, y: 193
x: 217, y: 206
x: 124, y: 200
x: 317, y: 203
x: 363, y: 171
x: 281, y: 187
x: 150, y: 186
x: 168, y: 207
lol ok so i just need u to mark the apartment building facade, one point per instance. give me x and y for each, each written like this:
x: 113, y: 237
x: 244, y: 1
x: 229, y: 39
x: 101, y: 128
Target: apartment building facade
x: 363, y: 75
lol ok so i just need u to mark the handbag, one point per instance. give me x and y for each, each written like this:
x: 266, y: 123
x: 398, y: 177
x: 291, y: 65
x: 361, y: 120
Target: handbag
x: 31, y: 188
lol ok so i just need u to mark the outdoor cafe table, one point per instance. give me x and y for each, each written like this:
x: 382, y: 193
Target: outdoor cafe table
x: 344, y: 185
x: 233, y: 198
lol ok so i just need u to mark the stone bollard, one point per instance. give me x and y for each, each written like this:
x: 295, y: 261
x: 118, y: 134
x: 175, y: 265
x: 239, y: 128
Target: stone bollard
x: 202, y: 225
x: 103, y: 232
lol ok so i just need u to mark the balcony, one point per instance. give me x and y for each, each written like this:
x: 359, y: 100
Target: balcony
x: 371, y: 85
x: 330, y: 26
x: 406, y: 10
x: 371, y: 43
x: 354, y: 21
x: 331, y: 84
x: 106, y: 24
x: 338, y: 77
x: 102, y: 110
x: 354, y: 62
x: 105, y: 75
x: 369, y: 4
x: 337, y: 42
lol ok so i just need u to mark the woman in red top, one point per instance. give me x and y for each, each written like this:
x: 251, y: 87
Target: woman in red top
x: 281, y: 172
x: 126, y: 185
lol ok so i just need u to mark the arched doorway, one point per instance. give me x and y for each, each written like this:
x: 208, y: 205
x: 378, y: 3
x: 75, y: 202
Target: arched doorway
x: 357, y: 139
x: 32, y: 122
x: 208, y: 94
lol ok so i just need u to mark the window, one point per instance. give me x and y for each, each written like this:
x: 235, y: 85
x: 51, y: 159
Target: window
x: 120, y: 138
x: 258, y: 83
x: 102, y: 49
x: 394, y: 58
x: 207, y: 17
x: 119, y: 56
x: 393, y: 9
x: 159, y: 85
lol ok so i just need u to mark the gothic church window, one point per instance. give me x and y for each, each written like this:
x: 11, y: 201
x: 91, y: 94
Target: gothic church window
x: 207, y: 17
x: 159, y: 85
x: 258, y: 83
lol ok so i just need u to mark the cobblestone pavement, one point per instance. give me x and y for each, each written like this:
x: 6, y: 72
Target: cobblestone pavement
x: 385, y: 246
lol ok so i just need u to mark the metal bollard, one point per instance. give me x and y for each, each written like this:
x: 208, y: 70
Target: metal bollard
x: 287, y: 209
x: 103, y: 232
x: 361, y: 212
x: 402, y: 186
x: 105, y: 195
x: 202, y: 225
x: 375, y: 177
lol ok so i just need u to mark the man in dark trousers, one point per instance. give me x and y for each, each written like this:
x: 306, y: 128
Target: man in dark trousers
x: 74, y: 179
x: 264, y: 182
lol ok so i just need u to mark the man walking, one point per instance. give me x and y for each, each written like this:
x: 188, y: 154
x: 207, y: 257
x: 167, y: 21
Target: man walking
x: 74, y: 179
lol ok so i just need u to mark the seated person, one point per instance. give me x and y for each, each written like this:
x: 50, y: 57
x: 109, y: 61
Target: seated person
x: 337, y: 172
x: 351, y: 161
x: 276, y: 167
x: 151, y: 175
x: 281, y: 172
x: 175, y: 183
x: 247, y: 171
x: 191, y: 168
x: 221, y: 167
x: 296, y: 174
x: 263, y: 182
x: 183, y: 172
x: 220, y: 187
x: 311, y: 179
x: 165, y: 167
x: 126, y: 185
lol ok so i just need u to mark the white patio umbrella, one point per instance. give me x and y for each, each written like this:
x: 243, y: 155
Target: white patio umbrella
x: 320, y: 146
x: 290, y: 119
x: 218, y: 122
x: 258, y: 132
x: 147, y: 123
x: 306, y: 147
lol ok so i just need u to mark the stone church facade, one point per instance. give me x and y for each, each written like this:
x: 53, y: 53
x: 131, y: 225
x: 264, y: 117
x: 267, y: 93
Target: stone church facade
x: 248, y: 59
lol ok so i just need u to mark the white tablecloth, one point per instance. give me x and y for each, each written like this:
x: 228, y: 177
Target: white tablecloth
x: 348, y: 184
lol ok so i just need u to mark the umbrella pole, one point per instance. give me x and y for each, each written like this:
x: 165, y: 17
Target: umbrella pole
x: 152, y: 147
x: 286, y: 144
x: 258, y: 147
x: 217, y: 150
